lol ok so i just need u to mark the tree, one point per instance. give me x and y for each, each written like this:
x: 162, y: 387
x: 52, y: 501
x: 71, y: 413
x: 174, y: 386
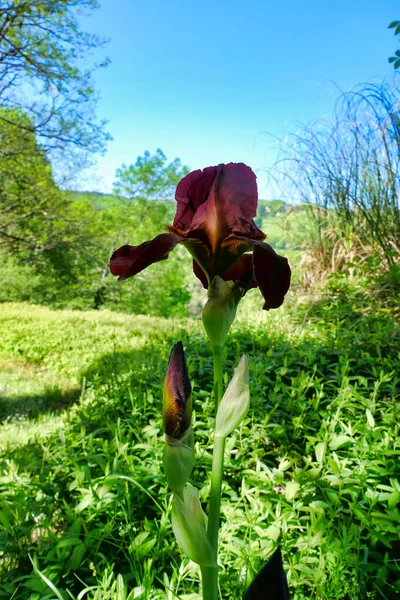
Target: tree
x: 41, y: 73
x: 150, y: 178
x: 30, y: 203
x: 396, y: 58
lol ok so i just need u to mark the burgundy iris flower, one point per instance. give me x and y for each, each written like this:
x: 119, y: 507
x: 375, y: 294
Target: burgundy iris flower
x: 214, y: 221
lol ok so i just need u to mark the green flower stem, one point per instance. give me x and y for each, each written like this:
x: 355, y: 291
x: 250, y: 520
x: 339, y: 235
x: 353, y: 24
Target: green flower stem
x: 215, y: 493
x: 210, y: 575
x: 217, y: 356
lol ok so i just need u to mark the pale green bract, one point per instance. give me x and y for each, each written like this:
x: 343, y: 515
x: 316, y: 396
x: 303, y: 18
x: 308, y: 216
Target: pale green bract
x: 235, y: 402
x: 178, y: 460
x: 189, y: 529
x: 220, y: 310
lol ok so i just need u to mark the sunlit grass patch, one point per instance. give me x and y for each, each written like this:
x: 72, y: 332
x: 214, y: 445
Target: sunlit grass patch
x: 314, y: 466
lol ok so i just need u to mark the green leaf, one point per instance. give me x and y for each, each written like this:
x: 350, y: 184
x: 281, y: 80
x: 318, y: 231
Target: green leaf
x: 339, y: 440
x: 370, y: 418
x: 397, y: 64
x: 393, y: 24
x: 320, y: 450
x: 273, y: 532
x: 46, y: 580
x: 393, y: 500
x: 292, y: 487
x: 75, y: 560
x: 84, y: 503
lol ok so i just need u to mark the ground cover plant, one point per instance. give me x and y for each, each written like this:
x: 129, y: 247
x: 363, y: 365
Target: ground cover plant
x: 81, y: 488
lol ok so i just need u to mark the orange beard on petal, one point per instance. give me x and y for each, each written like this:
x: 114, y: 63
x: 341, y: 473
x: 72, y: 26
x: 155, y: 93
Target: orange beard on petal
x: 229, y: 251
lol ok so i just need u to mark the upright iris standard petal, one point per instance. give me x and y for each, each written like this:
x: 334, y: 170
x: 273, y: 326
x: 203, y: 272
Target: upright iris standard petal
x: 192, y: 191
x: 177, y: 403
x: 231, y: 204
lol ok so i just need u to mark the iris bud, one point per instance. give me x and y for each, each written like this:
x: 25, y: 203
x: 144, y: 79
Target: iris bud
x: 235, y: 402
x: 177, y: 397
x: 177, y: 414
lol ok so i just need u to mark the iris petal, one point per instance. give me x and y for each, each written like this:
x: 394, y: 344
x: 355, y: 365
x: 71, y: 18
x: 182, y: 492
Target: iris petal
x: 191, y: 193
x: 272, y: 273
x: 242, y: 271
x: 198, y: 271
x: 230, y: 206
x: 130, y: 260
x: 270, y: 582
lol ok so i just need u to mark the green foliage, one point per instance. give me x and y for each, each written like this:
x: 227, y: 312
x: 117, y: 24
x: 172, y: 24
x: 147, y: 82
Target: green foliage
x: 396, y: 58
x: 68, y: 264
x: 313, y: 467
x: 29, y: 199
x: 150, y: 178
x: 61, y: 243
x: 42, y: 51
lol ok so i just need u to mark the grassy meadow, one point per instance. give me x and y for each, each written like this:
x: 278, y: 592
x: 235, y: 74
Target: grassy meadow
x: 314, y: 467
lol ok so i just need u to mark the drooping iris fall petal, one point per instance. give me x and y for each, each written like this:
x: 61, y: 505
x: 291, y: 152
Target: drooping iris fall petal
x: 177, y: 399
x: 272, y: 273
x: 270, y: 583
x: 241, y: 270
x: 130, y: 260
x: 264, y: 269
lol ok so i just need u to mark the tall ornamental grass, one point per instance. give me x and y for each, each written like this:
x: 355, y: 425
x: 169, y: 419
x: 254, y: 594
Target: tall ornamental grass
x: 347, y: 172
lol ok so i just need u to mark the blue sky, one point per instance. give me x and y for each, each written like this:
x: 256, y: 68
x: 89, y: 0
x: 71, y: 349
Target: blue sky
x: 219, y: 81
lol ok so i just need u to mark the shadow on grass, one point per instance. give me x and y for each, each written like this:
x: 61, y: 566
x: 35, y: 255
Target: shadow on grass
x: 51, y: 400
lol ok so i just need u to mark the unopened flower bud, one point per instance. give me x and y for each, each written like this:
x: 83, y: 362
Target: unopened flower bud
x: 235, y: 402
x: 177, y: 400
x: 177, y: 414
x: 189, y: 530
x: 220, y: 310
